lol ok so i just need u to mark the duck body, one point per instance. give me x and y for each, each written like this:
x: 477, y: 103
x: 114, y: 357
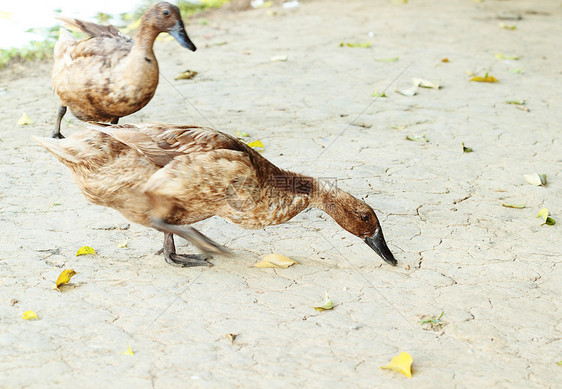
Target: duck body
x: 108, y: 75
x: 166, y: 175
x: 101, y: 79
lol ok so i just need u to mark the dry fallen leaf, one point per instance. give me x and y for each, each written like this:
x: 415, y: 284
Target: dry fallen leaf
x: 417, y: 138
x: 425, y: 83
x: 517, y: 206
x: 256, y: 143
x: 506, y: 27
x: 84, y: 250
x: 401, y: 363
x: 544, y: 214
x: 486, y: 78
x: 466, y: 149
x: 507, y: 57
x: 65, y: 277
x: 279, y: 58
x: 25, y: 120
x: 445, y: 60
x: 363, y: 45
x: 328, y: 304
x: 412, y: 91
x: 231, y: 337
x: 187, y: 75
x: 128, y: 351
x: 275, y: 260
x: 376, y: 93
x: 29, y: 315
x: 535, y: 179
x: 122, y: 245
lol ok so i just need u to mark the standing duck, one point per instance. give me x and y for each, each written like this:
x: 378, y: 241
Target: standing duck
x: 167, y: 176
x: 108, y: 76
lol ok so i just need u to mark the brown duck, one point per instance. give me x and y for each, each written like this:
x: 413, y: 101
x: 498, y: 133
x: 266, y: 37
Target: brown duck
x: 167, y: 176
x: 108, y: 76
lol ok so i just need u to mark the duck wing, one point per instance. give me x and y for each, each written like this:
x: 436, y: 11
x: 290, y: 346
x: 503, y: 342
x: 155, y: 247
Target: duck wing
x: 93, y: 29
x: 162, y: 143
x: 104, y: 40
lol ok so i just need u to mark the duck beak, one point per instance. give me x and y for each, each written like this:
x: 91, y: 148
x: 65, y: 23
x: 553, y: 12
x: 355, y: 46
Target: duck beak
x: 377, y: 243
x: 178, y: 32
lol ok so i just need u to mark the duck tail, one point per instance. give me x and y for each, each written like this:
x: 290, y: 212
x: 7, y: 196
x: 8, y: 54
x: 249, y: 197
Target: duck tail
x: 58, y: 149
x: 92, y: 29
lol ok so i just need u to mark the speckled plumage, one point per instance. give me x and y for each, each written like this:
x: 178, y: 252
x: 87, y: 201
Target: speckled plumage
x: 108, y: 76
x: 185, y: 174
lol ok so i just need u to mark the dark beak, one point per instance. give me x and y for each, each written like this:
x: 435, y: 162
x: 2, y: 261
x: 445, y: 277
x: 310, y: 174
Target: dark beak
x: 377, y: 243
x: 178, y: 32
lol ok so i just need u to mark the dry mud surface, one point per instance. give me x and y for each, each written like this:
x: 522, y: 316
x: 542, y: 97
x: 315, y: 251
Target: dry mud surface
x: 494, y: 271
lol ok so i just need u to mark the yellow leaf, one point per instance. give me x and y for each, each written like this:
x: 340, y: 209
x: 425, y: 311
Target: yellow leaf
x: 25, y: 120
x: 128, y: 351
x: 518, y: 206
x: 376, y: 93
x: 187, y: 75
x: 543, y: 213
x: 446, y: 60
x: 65, y: 277
x: 29, y: 315
x: 508, y: 57
x: 84, y: 250
x: 363, y: 45
x: 275, y: 260
x: 122, y: 245
x: 486, y: 78
x: 328, y: 304
x: 401, y: 363
x: 507, y: 27
x: 256, y: 143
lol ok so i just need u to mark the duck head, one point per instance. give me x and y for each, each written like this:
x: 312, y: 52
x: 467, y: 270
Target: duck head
x: 358, y: 218
x: 165, y: 17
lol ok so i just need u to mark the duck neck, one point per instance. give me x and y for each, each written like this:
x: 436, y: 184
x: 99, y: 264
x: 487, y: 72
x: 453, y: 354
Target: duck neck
x: 144, y: 39
x: 325, y: 195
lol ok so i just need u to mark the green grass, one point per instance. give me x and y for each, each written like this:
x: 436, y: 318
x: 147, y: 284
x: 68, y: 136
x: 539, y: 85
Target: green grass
x: 34, y: 50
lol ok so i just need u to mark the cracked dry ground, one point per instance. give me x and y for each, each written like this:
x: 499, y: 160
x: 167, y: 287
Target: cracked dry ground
x: 494, y: 271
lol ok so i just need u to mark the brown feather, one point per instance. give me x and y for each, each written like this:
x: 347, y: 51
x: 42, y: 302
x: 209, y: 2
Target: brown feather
x: 185, y: 174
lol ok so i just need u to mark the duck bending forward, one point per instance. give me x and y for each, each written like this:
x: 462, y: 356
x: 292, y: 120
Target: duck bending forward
x: 167, y: 176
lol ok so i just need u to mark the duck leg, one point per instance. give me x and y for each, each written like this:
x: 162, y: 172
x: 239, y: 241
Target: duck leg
x: 181, y: 260
x: 56, y: 132
x: 115, y: 121
x: 189, y: 233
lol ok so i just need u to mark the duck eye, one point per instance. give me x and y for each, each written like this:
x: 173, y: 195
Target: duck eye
x: 166, y: 12
x: 365, y: 218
